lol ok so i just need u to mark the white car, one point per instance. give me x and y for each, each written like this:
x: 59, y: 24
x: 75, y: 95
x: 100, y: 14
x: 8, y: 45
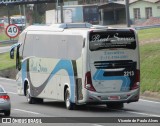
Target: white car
x: 5, y: 105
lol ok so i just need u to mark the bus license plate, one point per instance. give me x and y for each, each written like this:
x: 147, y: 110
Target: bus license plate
x: 114, y: 97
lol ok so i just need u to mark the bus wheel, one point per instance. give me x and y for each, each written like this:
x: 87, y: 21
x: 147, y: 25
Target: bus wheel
x: 115, y: 105
x: 30, y: 99
x: 38, y: 100
x: 7, y: 113
x: 69, y: 104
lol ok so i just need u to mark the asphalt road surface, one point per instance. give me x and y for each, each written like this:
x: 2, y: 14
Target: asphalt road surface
x: 50, y: 108
x: 5, y: 49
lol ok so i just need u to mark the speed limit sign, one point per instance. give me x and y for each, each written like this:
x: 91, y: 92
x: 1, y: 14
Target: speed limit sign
x: 12, y: 30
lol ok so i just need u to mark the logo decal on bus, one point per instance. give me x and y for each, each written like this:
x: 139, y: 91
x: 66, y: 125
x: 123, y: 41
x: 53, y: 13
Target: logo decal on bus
x: 97, y: 38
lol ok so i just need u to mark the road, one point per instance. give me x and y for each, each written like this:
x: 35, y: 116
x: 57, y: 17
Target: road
x: 5, y: 49
x: 20, y: 108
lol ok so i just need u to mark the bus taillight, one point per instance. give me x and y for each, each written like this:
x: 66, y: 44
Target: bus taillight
x: 88, y: 82
x: 137, y: 80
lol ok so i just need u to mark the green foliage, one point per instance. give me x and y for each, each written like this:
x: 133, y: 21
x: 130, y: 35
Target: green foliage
x: 150, y: 59
x: 6, y: 62
x: 150, y: 67
x: 149, y: 34
x: 3, y: 36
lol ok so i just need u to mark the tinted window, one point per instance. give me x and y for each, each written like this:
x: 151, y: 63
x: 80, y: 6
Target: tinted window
x: 17, y: 21
x: 1, y: 90
x: 90, y: 14
x: 112, y: 39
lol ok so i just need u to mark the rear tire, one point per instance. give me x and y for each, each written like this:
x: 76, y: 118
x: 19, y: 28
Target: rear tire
x: 30, y: 99
x: 38, y: 100
x: 68, y: 103
x: 115, y: 105
x: 7, y: 113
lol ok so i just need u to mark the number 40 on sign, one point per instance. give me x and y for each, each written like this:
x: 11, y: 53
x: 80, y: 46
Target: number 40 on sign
x: 12, y: 30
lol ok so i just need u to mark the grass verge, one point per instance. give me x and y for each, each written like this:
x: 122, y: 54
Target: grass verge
x: 6, y: 62
x: 149, y: 34
x: 3, y: 36
x: 150, y: 67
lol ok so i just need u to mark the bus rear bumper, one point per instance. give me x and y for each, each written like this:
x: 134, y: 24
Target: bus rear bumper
x: 124, y: 97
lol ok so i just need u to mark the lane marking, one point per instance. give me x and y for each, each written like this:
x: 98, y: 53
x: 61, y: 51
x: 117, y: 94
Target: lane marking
x: 12, y: 93
x: 97, y: 125
x: 3, y: 52
x: 7, y: 79
x: 26, y: 111
x: 150, y: 101
x: 139, y: 113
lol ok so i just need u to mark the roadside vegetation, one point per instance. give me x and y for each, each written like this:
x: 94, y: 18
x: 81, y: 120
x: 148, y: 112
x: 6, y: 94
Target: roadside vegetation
x: 149, y: 60
x: 150, y: 67
x: 149, y: 34
x: 3, y: 36
x: 6, y: 62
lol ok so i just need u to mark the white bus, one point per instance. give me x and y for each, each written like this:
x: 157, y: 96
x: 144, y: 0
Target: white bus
x: 18, y: 20
x: 78, y: 64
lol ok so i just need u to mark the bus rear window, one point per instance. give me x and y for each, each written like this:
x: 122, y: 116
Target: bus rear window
x: 112, y: 39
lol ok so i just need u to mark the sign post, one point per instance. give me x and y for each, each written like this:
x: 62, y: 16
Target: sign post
x: 12, y: 31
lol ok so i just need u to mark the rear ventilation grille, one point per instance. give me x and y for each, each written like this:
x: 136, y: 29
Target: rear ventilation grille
x: 113, y: 64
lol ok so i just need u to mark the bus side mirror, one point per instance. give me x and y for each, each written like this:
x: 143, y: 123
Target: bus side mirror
x: 13, y: 48
x: 12, y: 53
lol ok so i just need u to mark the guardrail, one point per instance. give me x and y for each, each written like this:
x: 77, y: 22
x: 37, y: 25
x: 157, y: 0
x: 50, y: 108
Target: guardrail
x: 9, y: 42
x: 146, y: 27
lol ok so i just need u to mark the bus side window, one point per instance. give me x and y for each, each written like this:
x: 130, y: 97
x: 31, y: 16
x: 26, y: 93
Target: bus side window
x: 18, y: 59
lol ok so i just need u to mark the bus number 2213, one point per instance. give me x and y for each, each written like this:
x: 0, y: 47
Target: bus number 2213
x: 128, y: 73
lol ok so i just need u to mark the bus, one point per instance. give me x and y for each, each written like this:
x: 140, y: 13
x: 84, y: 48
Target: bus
x: 78, y: 64
x: 18, y: 20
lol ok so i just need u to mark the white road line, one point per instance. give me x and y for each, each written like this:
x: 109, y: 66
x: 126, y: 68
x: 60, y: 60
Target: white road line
x: 139, y: 113
x: 1, y: 78
x: 12, y: 93
x: 150, y: 101
x: 97, y: 125
x: 26, y: 111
